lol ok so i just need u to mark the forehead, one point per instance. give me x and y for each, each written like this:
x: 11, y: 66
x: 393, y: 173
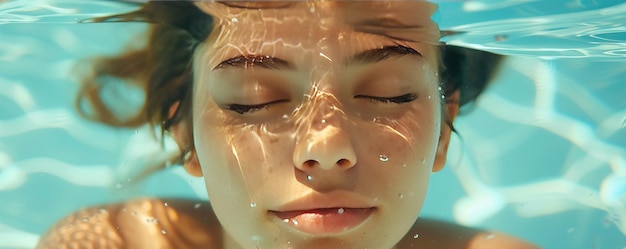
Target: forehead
x: 333, y: 28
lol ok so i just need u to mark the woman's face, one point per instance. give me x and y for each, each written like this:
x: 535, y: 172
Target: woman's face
x: 316, y: 124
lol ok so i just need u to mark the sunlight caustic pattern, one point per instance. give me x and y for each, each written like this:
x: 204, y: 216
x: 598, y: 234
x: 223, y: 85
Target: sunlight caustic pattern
x: 592, y: 174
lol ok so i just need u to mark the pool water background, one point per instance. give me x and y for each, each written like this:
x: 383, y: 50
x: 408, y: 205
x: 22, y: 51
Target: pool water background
x: 542, y: 154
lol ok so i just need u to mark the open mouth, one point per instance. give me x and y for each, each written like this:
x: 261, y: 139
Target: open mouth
x: 324, y: 221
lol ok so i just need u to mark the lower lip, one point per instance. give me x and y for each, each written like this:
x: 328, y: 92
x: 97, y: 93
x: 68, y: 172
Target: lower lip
x: 326, y: 220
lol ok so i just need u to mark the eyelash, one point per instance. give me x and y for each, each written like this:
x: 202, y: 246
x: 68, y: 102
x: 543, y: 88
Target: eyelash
x: 242, y: 109
x: 406, y: 98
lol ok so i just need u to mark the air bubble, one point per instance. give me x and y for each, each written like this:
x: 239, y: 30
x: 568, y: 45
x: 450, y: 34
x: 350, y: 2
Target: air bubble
x: 340, y: 211
x: 163, y: 231
x: 252, y: 204
x: 416, y: 236
x: 309, y: 178
x: 383, y: 158
x: 502, y: 37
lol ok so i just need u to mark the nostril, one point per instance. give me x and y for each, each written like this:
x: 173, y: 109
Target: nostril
x: 344, y: 163
x: 309, y: 164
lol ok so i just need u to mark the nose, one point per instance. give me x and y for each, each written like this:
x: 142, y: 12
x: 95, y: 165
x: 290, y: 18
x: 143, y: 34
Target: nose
x: 326, y: 149
x: 323, y: 144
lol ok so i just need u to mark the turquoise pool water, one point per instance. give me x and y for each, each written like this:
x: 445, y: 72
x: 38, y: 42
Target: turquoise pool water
x: 543, y: 154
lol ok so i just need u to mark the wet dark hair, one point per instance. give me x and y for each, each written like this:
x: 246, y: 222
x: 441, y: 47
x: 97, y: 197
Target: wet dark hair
x: 163, y: 67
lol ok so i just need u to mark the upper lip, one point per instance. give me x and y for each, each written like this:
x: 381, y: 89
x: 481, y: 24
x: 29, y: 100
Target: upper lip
x: 327, y: 200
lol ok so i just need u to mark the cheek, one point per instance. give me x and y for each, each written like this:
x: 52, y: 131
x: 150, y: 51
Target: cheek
x: 399, y: 153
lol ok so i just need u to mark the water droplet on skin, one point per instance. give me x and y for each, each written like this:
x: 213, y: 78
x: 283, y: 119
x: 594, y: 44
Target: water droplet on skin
x: 197, y: 205
x: 429, y: 97
x: 416, y: 236
x: 152, y: 220
x: 163, y: 231
x: 234, y: 19
x: 423, y: 160
x: 404, y: 165
x: 439, y: 88
x: 491, y: 236
x: 323, y: 121
x: 383, y: 158
x: 252, y: 204
x: 340, y: 211
x: 165, y: 204
x: 103, y: 211
x: 85, y: 219
x: 286, y: 220
x: 401, y: 196
x: 309, y: 178
x: 295, y: 222
x: 285, y: 116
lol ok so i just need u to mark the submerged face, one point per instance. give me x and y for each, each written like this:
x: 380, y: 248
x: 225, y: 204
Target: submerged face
x: 316, y: 124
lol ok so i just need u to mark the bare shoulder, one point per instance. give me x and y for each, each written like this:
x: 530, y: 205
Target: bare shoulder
x: 429, y: 233
x: 143, y: 223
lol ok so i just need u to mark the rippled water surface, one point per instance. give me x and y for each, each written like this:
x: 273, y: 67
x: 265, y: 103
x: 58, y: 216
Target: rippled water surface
x: 542, y: 155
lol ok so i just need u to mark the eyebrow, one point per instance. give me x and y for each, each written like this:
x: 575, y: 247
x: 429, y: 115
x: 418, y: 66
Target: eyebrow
x: 379, y: 54
x: 250, y: 61
x: 269, y: 62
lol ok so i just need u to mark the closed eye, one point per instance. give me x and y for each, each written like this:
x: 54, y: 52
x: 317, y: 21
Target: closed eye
x: 397, y: 99
x: 242, y: 109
